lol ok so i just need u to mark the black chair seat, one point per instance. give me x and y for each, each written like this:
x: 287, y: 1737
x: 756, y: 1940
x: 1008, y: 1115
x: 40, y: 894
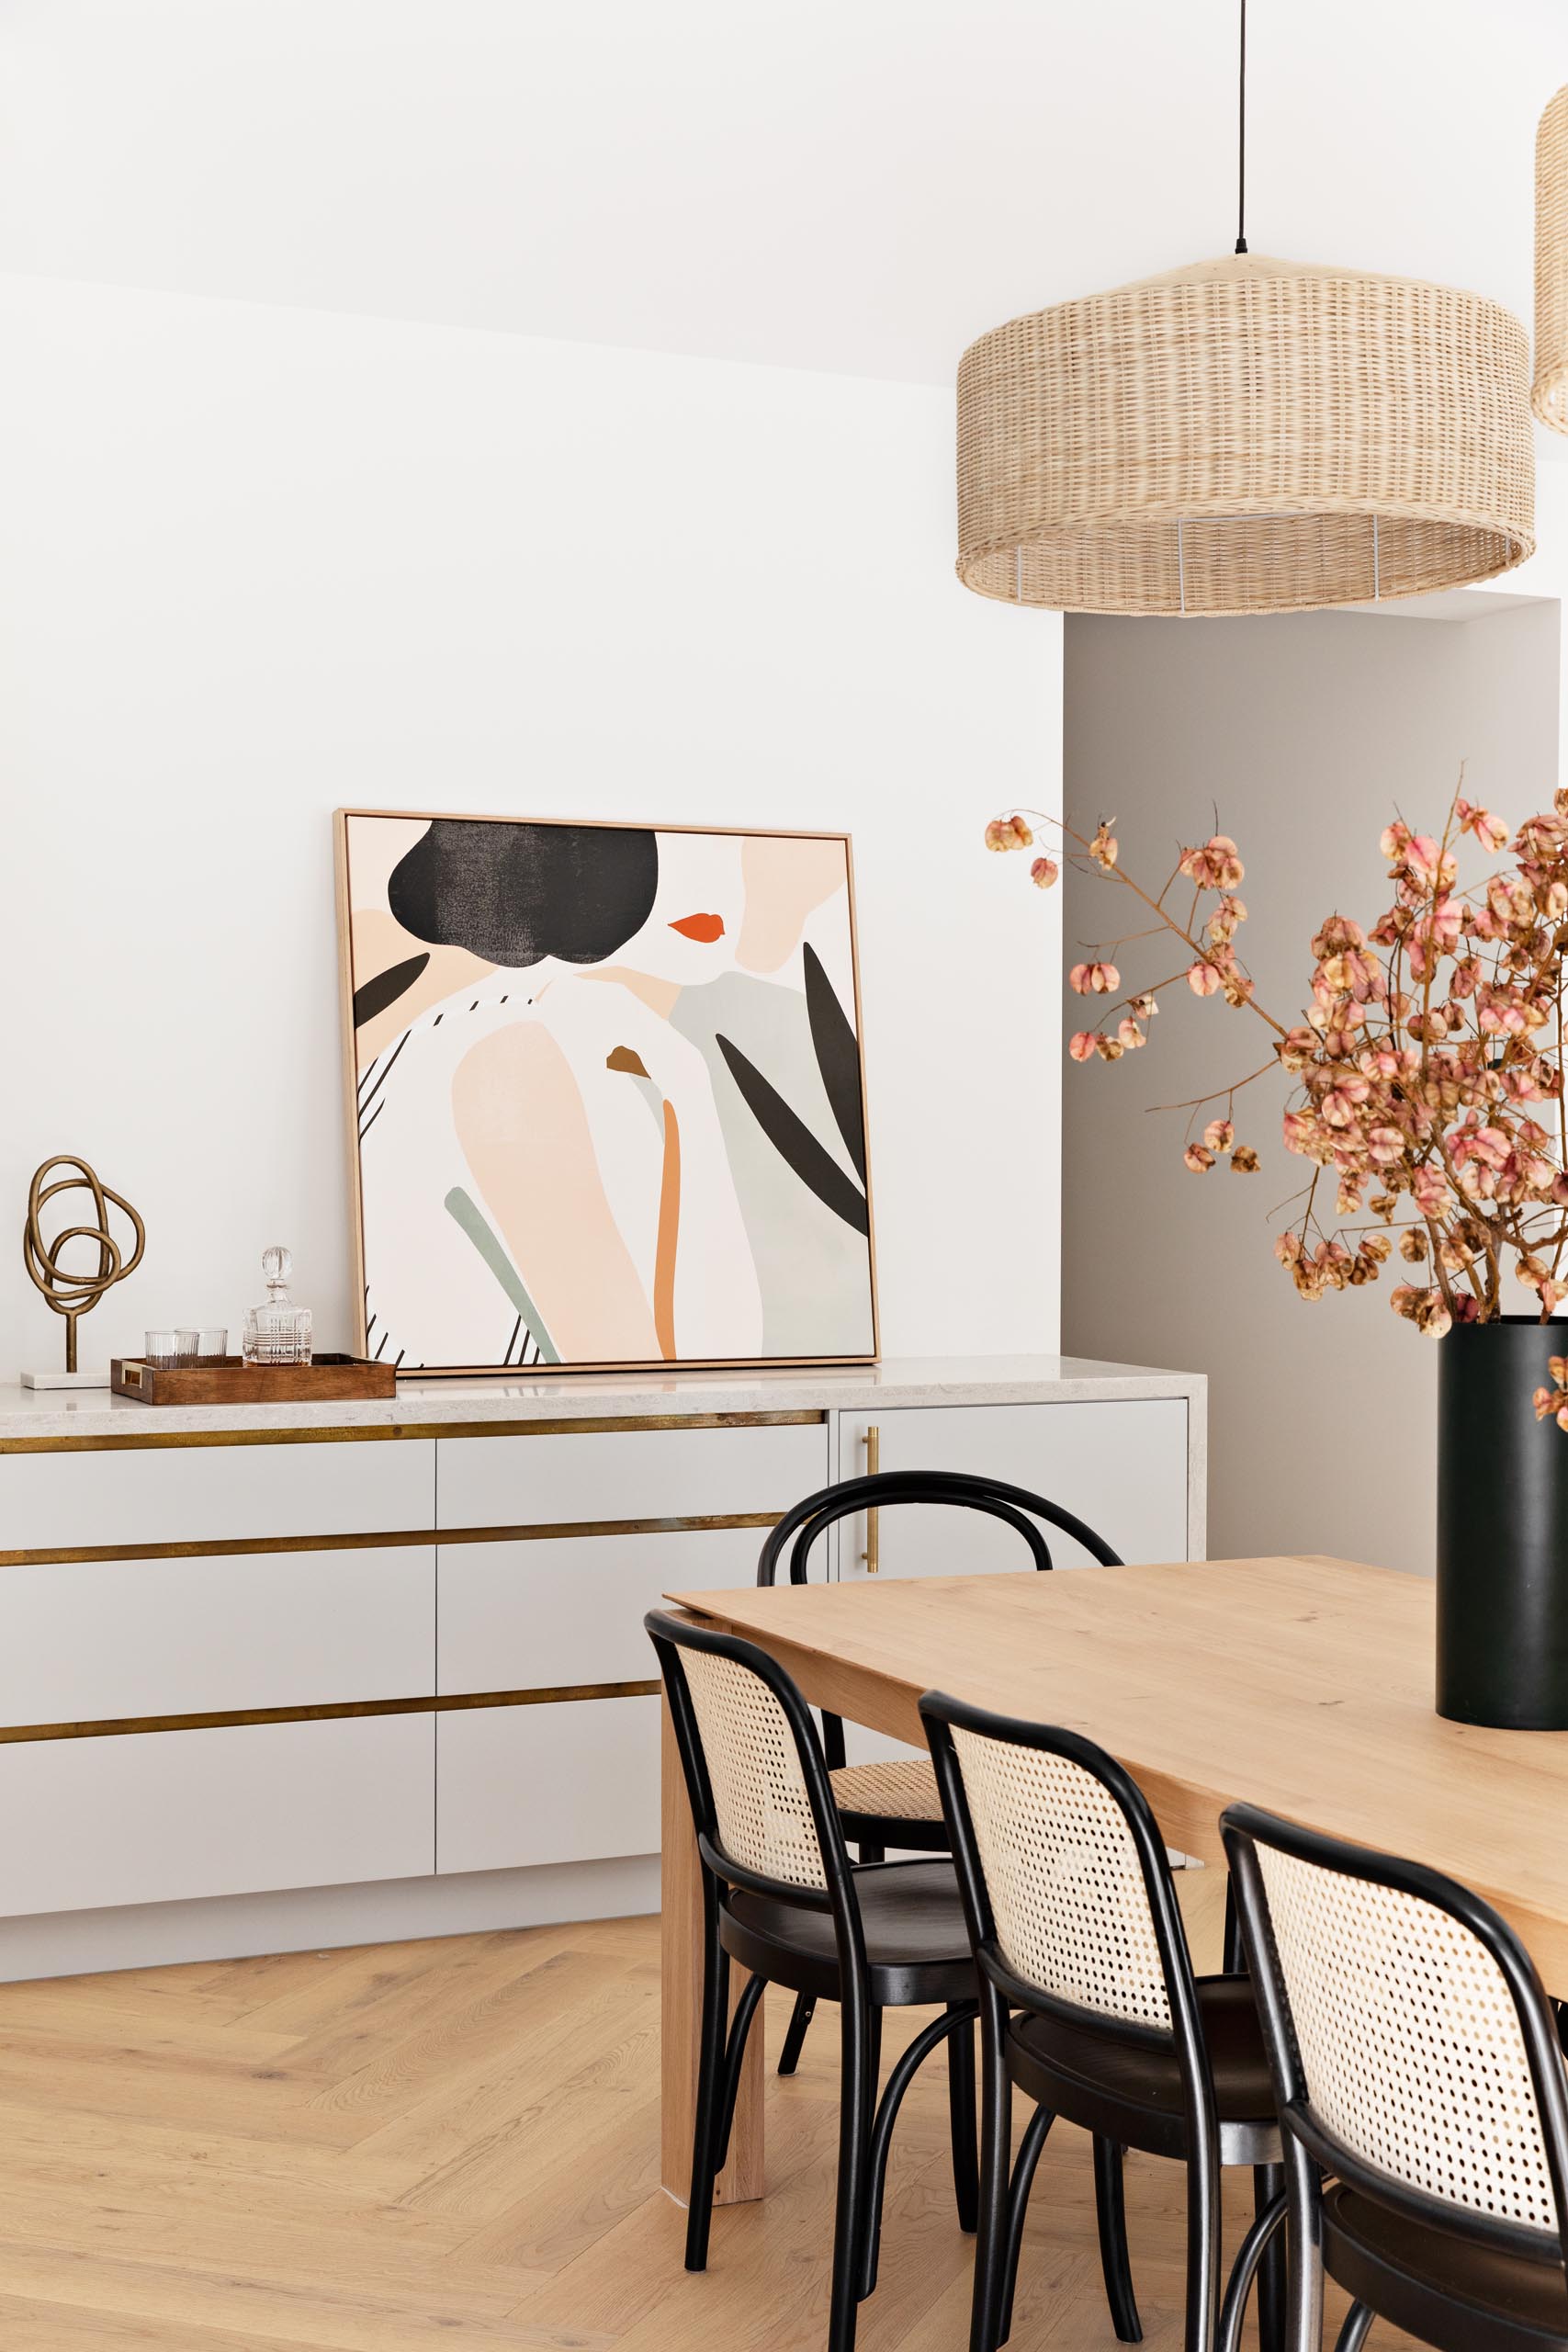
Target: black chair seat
x: 1131, y: 2092
x: 916, y: 1942
x: 1439, y: 2284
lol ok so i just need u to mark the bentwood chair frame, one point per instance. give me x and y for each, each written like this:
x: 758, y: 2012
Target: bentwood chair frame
x: 1398, y: 2010
x: 862, y: 1984
x: 1099, y: 2089
x: 793, y: 1539
x: 799, y: 1529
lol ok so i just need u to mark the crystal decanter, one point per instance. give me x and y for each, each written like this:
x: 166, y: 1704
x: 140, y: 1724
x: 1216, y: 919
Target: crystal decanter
x: 277, y: 1331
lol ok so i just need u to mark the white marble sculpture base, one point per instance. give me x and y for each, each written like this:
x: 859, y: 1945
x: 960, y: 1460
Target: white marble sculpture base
x: 67, y: 1379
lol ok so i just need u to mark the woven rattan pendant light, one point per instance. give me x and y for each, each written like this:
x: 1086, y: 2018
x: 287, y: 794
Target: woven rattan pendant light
x: 1549, y: 395
x: 1247, y: 436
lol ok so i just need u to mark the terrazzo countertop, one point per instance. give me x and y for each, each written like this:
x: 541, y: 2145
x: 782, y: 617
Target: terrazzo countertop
x: 32, y: 1415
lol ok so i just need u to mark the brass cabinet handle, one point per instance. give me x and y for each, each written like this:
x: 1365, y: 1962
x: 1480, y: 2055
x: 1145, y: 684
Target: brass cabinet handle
x: 872, y: 1441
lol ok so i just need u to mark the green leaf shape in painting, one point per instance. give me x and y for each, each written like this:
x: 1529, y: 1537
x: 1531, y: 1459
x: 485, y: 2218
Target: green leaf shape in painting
x: 477, y: 1226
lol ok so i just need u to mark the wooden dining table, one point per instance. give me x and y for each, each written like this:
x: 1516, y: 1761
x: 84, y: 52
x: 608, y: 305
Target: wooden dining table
x: 1303, y: 1684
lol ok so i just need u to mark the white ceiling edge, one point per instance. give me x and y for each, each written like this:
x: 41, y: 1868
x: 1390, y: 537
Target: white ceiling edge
x: 849, y: 186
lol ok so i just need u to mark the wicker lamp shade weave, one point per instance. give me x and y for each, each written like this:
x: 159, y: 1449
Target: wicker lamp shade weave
x: 1245, y: 435
x: 1549, y: 395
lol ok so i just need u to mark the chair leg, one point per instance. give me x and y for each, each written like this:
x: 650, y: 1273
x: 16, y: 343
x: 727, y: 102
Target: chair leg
x: 734, y: 2058
x: 1267, y: 2181
x: 1110, y: 2213
x: 1033, y: 2139
x: 857, y: 2082
x: 1265, y: 2227
x: 956, y: 2018
x: 961, y: 2120
x: 996, y: 2159
x: 1203, y: 2238
x: 710, y: 2082
x: 1353, y: 2333
x: 1304, y: 2247
x: 794, y: 2039
x: 871, y: 1851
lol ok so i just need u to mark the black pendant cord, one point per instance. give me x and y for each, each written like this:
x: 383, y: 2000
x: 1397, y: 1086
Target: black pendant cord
x: 1241, y: 145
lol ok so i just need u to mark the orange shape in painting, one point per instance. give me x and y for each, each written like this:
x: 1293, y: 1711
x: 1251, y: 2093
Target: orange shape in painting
x: 704, y: 928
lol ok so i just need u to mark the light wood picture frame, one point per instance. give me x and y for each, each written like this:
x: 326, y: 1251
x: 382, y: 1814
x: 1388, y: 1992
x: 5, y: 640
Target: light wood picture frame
x: 605, y: 1094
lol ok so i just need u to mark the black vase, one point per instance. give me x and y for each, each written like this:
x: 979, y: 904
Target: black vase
x: 1502, y: 1528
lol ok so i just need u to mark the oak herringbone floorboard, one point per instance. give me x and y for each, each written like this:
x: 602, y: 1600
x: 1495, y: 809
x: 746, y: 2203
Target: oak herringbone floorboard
x: 456, y: 2142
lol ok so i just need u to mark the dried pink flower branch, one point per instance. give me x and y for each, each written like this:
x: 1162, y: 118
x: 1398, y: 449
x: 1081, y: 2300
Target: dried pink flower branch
x: 1429, y: 1044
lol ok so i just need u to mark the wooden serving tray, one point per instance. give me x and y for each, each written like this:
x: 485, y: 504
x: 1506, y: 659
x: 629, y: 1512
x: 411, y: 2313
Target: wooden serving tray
x: 329, y: 1380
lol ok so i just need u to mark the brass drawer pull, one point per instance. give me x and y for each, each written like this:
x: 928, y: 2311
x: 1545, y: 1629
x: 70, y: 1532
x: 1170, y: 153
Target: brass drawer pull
x: 872, y: 1441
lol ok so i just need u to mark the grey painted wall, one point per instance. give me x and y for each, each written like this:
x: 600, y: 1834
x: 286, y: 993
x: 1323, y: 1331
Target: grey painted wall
x: 1304, y: 733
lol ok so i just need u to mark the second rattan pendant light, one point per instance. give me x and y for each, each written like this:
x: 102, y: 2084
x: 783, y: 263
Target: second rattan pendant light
x: 1549, y: 392
x: 1245, y: 435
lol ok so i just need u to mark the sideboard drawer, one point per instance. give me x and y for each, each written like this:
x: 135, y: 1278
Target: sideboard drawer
x: 593, y: 1476
x: 568, y: 1609
x: 573, y: 1781
x: 156, y: 1817
x: 94, y: 1641
x: 168, y: 1495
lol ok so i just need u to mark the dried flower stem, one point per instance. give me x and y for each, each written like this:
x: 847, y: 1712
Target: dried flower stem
x: 1429, y: 1044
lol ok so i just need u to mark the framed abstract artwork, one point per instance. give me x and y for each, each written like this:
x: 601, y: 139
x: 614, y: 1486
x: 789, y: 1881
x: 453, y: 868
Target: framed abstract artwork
x: 606, y: 1094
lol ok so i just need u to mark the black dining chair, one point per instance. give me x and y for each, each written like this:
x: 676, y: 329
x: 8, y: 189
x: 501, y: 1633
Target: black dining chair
x: 894, y: 1801
x: 782, y: 1898
x: 1088, y: 2002
x: 1422, y: 2097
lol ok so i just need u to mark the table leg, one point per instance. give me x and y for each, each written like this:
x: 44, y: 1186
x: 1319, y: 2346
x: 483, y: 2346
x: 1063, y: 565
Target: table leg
x: 681, y: 2008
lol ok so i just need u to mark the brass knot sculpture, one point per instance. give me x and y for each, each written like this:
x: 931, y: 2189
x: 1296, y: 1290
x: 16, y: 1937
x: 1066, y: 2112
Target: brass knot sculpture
x: 73, y: 1294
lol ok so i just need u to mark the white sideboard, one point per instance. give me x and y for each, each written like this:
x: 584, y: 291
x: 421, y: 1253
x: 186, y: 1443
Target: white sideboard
x: 274, y: 1676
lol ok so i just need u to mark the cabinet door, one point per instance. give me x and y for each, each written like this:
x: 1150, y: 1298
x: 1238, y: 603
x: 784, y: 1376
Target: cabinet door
x: 562, y: 1610
x: 571, y: 1781
x: 157, y: 1816
x: 91, y: 1641
x: 1121, y: 1467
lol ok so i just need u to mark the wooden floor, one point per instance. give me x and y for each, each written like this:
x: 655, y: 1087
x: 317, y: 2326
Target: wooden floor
x: 456, y: 2142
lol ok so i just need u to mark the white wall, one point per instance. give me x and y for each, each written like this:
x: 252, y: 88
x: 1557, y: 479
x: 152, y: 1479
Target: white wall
x: 256, y: 562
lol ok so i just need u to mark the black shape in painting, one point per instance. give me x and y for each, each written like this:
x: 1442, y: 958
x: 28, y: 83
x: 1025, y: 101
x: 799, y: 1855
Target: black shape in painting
x: 793, y: 1141
x: 386, y: 988
x: 516, y: 893
x: 838, y: 1057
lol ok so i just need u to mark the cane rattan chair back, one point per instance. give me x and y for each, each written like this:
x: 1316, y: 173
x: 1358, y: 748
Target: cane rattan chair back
x: 762, y: 1805
x: 755, y: 1772
x: 1068, y: 1902
x: 1414, y: 2050
x: 1063, y: 1865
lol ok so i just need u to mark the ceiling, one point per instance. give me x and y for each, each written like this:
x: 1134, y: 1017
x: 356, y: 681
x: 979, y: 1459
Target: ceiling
x: 854, y: 186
